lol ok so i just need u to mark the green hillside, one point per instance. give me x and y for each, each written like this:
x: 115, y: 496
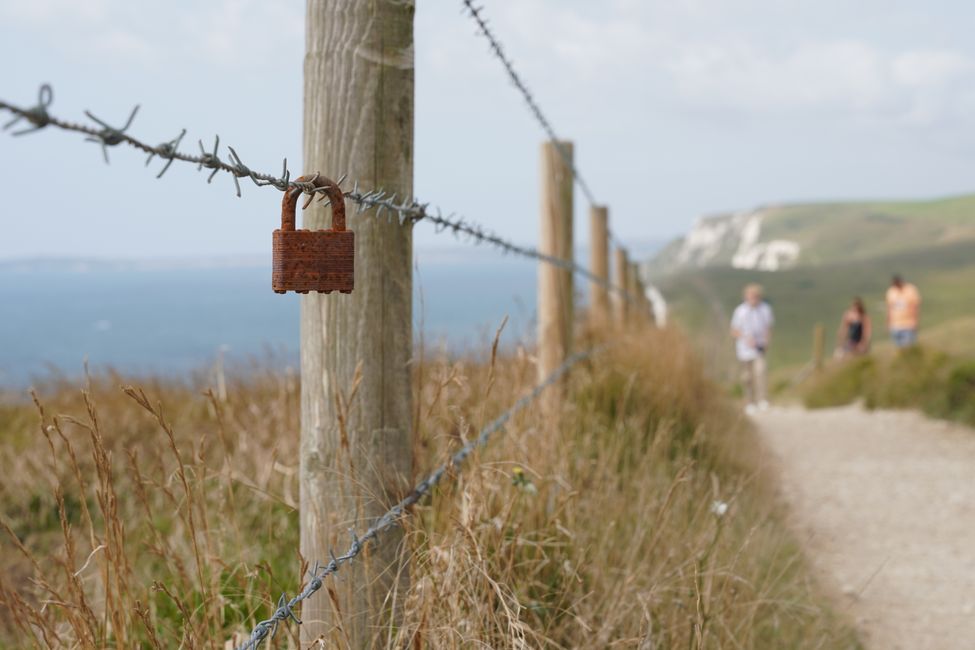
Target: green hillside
x: 702, y: 300
x: 826, y: 233
x: 836, y: 232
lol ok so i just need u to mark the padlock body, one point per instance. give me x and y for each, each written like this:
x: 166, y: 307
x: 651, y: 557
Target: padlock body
x: 313, y: 260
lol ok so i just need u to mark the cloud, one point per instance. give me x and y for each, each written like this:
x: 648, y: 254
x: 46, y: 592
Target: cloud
x: 47, y: 11
x: 930, y: 67
x: 220, y: 34
x: 121, y: 43
x: 848, y: 77
x: 752, y: 57
x: 248, y: 32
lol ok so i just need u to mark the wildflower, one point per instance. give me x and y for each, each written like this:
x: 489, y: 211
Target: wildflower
x: 519, y: 480
x: 719, y: 508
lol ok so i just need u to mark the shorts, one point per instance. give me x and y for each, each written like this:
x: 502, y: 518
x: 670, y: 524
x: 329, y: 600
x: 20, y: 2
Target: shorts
x: 904, y: 338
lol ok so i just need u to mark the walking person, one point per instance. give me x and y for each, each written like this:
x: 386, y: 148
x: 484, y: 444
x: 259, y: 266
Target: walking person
x: 751, y: 327
x: 856, y: 329
x: 903, y: 312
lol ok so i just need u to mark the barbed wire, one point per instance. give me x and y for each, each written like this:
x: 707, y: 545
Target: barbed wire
x: 285, y: 608
x: 536, y: 110
x: 476, y: 13
x: 408, y: 209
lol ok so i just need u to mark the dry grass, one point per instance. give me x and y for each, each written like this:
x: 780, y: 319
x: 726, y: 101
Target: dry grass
x: 163, y: 517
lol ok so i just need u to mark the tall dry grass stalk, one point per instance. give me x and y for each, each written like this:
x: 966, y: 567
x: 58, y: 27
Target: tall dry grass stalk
x: 162, y: 517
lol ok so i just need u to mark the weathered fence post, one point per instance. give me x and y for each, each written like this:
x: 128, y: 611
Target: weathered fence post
x: 636, y: 309
x: 646, y: 308
x: 356, y: 451
x: 819, y: 345
x: 555, y: 312
x: 634, y: 289
x: 621, y: 266
x: 599, y: 265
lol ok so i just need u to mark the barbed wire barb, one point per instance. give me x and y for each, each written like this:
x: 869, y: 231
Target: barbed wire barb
x: 109, y: 136
x: 37, y: 116
x: 166, y: 150
x: 240, y: 170
x: 210, y: 160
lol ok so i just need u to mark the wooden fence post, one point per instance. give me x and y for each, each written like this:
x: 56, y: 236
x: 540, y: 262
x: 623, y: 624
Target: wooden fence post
x: 632, y: 287
x: 621, y: 267
x: 819, y: 345
x: 599, y: 265
x: 555, y: 313
x: 356, y: 453
x: 644, y: 299
x: 641, y: 295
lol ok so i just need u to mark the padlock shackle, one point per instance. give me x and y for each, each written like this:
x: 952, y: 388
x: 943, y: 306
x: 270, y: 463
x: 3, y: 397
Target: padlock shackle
x: 289, y: 204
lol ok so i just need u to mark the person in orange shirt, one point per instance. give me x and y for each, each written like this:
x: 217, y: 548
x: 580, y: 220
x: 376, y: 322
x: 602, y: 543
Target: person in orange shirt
x: 903, y: 312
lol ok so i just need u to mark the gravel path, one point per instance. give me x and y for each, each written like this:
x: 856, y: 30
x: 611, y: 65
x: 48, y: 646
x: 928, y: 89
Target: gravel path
x: 885, y: 504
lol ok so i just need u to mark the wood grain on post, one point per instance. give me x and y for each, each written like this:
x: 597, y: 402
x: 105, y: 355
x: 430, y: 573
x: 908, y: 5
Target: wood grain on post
x: 621, y: 267
x: 555, y: 312
x: 356, y: 452
x: 599, y: 265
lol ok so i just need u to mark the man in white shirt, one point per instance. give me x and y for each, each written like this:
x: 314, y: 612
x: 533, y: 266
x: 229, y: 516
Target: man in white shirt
x: 751, y: 327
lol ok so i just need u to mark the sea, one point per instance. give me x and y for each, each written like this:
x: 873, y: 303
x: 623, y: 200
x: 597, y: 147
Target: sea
x: 171, y: 318
x: 176, y: 317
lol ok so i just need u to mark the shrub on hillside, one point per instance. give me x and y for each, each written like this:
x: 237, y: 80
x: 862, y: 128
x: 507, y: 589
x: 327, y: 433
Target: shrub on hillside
x: 956, y: 401
x: 915, y: 378
x: 841, y: 384
x: 909, y: 379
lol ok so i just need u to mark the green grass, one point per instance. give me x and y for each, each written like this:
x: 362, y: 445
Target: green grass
x: 916, y: 378
x: 831, y: 233
x: 835, y: 233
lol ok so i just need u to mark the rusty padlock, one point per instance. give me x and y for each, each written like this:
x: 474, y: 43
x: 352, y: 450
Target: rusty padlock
x: 313, y: 260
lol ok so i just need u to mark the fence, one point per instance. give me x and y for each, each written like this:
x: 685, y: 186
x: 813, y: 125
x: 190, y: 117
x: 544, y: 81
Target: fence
x: 555, y: 254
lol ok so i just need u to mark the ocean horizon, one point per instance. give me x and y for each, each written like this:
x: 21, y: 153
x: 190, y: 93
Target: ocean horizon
x: 173, y: 317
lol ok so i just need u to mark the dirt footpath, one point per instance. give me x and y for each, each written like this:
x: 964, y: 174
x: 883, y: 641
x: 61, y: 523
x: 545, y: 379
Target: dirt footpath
x: 885, y: 504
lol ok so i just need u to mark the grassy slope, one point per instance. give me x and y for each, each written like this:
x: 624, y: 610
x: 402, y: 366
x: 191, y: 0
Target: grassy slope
x: 836, y: 232
x: 614, y: 540
x: 702, y: 300
x: 921, y: 377
x: 832, y: 233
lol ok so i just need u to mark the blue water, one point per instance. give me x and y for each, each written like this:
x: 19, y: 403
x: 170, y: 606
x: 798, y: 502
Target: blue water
x: 174, y: 321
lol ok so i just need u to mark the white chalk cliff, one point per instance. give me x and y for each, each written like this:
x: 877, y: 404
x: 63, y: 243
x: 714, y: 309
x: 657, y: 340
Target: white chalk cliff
x: 734, y: 240
x: 753, y: 253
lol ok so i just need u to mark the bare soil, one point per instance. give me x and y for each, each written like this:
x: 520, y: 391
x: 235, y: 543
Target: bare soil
x: 885, y: 504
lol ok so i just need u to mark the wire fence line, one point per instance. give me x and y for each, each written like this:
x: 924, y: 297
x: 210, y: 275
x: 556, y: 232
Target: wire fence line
x: 285, y: 607
x: 406, y: 209
x: 476, y: 13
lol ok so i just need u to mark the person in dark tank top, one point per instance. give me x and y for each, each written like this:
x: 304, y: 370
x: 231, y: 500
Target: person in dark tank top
x: 855, y: 330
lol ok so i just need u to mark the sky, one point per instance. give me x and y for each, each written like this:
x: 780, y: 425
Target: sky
x: 677, y: 108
